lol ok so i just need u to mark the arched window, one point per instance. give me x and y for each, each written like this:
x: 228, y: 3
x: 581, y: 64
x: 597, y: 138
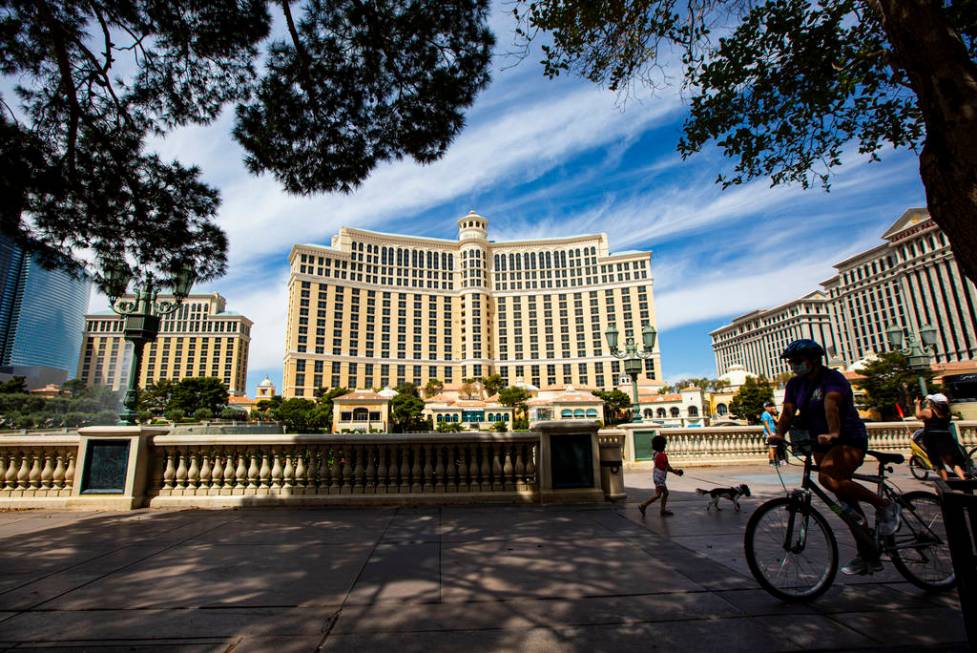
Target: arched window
x: 491, y: 417
x: 721, y: 409
x: 566, y: 413
x: 592, y: 412
x: 661, y: 412
x: 361, y: 415
x: 693, y: 411
x: 505, y: 417
x: 674, y: 411
x: 579, y: 413
x: 649, y: 413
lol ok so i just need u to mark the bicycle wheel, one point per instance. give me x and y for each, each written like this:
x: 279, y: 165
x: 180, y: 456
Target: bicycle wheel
x: 919, y: 549
x: 800, y: 570
x: 917, y: 469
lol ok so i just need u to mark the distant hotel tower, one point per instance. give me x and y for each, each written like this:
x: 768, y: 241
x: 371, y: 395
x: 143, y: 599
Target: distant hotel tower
x: 378, y: 309
x: 200, y: 339
x: 910, y: 280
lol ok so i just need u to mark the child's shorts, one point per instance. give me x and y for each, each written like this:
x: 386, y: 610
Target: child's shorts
x: 659, y: 478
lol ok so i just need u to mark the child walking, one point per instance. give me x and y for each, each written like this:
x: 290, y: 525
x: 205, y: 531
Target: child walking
x: 661, y: 472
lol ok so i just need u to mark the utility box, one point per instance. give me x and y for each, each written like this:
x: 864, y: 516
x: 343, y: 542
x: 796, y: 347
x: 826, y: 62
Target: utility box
x: 611, y: 443
x: 569, y: 470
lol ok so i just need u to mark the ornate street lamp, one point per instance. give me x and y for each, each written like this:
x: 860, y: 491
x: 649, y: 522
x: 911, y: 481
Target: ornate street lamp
x: 142, y: 317
x: 916, y: 350
x: 633, y: 358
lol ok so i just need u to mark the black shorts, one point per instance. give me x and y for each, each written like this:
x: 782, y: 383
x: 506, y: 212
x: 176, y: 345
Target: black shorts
x: 941, y: 447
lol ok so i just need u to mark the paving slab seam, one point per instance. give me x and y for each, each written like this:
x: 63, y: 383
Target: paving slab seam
x: 83, y: 562
x: 107, y: 574
x: 327, y: 628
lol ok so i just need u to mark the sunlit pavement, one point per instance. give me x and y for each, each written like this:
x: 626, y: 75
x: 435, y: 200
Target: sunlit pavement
x: 550, y: 578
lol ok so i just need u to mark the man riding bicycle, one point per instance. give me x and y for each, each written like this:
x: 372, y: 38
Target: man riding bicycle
x: 820, y: 400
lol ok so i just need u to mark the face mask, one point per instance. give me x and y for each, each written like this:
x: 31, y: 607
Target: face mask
x: 800, y: 369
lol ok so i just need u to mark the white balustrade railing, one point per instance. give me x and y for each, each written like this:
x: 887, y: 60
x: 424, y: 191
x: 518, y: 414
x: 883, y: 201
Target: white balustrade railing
x: 318, y: 468
x: 747, y: 444
x: 37, y: 466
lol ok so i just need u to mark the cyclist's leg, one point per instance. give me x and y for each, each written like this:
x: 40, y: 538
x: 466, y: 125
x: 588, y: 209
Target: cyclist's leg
x: 838, y: 465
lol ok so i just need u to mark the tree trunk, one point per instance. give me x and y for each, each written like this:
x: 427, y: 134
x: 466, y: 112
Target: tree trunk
x: 944, y: 79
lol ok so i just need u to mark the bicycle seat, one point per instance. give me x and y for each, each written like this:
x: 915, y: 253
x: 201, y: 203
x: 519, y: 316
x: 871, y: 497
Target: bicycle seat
x: 886, y: 458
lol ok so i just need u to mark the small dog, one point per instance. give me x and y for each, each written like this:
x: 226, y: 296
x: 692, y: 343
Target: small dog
x: 731, y: 493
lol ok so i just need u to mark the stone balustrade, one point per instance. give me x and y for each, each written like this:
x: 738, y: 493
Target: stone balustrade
x: 215, y: 471
x: 747, y: 444
x: 37, y: 467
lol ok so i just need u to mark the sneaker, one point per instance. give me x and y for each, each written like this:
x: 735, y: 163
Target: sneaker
x: 889, y: 519
x: 783, y: 463
x: 667, y: 513
x: 642, y: 509
x: 859, y: 567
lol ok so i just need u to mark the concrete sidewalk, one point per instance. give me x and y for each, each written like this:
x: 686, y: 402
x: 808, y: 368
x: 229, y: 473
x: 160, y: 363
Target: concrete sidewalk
x: 429, y: 579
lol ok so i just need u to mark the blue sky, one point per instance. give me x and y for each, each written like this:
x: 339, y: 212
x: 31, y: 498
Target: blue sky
x: 547, y: 158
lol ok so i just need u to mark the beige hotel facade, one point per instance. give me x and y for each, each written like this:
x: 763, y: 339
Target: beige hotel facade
x: 376, y: 309
x: 201, y: 338
x: 911, y: 280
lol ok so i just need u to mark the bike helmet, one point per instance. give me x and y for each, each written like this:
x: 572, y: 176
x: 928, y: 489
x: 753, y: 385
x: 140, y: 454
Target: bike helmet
x: 803, y: 347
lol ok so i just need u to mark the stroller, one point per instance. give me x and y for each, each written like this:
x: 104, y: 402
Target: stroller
x: 920, y: 465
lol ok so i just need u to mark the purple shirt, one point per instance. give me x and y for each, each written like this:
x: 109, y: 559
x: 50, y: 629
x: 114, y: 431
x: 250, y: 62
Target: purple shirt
x: 808, y: 394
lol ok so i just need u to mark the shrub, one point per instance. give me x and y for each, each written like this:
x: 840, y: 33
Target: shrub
x: 174, y: 414
x: 203, y: 413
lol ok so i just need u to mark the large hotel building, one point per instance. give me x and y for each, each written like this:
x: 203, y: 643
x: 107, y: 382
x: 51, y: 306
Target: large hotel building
x: 200, y: 338
x: 911, y: 280
x: 376, y: 309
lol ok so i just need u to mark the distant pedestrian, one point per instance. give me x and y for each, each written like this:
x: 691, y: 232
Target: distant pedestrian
x: 777, y: 451
x: 662, y: 468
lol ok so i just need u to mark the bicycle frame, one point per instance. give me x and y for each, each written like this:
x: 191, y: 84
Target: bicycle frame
x: 864, y: 536
x: 802, y: 498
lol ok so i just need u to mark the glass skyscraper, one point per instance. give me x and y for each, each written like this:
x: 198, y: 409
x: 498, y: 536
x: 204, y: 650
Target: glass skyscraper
x: 42, y: 312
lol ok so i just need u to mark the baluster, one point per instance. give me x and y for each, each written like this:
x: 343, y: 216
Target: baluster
x: 347, y: 470
x: 47, y: 473
x: 324, y: 469
x: 181, y: 470
x: 469, y: 467
x: 393, y: 470
x: 276, y: 470
x: 10, y: 477
x: 228, y: 472
x: 359, y: 470
x: 216, y: 479
x: 452, y: 454
x: 485, y: 471
x: 405, y: 450
x: 301, y: 471
x: 371, y: 469
x: 193, y: 473
x: 508, y: 471
x: 264, y: 473
x: 240, y: 472
x: 335, y: 471
x: 520, y: 468
x: 253, y: 473
x: 439, y: 485
x: 288, y: 472
x: 428, y: 470
x: 34, y: 477
x: 496, y: 469
x: 415, y: 471
x: 58, y: 477
x: 532, y: 451
x: 205, y: 471
x: 381, y: 487
x: 69, y: 474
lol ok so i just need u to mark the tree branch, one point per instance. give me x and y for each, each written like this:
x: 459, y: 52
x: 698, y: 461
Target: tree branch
x: 67, y: 80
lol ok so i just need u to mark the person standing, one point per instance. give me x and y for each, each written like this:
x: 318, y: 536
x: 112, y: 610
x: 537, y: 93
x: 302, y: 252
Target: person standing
x: 776, y: 454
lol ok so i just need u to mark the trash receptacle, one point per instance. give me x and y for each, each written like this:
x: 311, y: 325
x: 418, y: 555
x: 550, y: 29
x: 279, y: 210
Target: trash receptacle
x: 612, y: 466
x: 959, y: 505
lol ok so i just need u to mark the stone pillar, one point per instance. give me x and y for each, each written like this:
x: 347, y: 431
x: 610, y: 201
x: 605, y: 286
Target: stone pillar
x: 569, y: 469
x: 611, y: 464
x: 113, y: 470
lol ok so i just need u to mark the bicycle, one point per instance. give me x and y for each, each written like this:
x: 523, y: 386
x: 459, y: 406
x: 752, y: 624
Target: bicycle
x: 792, y: 550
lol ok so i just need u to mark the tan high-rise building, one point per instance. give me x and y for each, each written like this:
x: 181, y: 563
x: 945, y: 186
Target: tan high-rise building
x: 757, y: 339
x: 200, y: 339
x: 377, y: 309
x: 910, y: 281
